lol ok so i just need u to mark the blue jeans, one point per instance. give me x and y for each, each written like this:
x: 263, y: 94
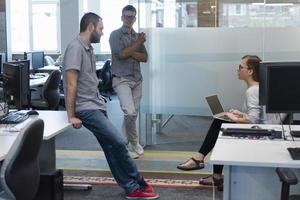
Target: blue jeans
x: 113, y: 144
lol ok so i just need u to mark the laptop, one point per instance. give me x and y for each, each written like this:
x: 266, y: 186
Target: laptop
x: 216, y: 108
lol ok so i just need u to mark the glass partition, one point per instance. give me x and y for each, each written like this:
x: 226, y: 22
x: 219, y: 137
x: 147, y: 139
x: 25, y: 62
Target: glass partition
x: 186, y: 64
x: 195, y: 47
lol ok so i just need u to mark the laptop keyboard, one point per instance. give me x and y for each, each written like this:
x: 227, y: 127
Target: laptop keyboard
x: 224, y: 117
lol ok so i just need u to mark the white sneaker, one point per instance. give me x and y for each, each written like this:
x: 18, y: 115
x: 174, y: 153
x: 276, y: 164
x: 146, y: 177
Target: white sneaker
x: 137, y: 148
x: 133, y: 155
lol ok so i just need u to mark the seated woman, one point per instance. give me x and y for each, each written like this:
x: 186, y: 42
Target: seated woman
x: 248, y: 71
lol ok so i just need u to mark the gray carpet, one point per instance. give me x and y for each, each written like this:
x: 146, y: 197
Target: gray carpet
x: 115, y: 193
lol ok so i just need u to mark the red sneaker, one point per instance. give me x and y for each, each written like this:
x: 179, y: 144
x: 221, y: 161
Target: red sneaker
x: 139, y: 194
x: 148, y: 188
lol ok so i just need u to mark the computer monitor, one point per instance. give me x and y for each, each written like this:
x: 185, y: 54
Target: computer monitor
x: 36, y: 59
x: 280, y: 87
x: 2, y: 60
x: 16, y: 88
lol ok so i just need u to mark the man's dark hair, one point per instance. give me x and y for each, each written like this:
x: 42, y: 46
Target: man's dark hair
x: 87, y: 19
x: 253, y: 62
x: 129, y: 8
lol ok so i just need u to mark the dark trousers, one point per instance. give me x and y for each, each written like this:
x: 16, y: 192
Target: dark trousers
x: 210, y: 141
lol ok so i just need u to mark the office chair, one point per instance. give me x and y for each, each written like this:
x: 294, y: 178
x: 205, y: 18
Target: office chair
x: 287, y: 177
x: 49, y: 60
x: 50, y: 93
x: 20, y: 172
x: 105, y: 76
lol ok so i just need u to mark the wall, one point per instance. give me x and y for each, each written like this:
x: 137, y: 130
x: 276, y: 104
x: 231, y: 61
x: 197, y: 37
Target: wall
x: 3, y: 38
x: 69, y: 13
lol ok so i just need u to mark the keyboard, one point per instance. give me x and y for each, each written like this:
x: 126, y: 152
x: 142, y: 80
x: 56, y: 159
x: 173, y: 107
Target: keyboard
x: 294, y: 152
x: 251, y: 132
x: 13, y: 118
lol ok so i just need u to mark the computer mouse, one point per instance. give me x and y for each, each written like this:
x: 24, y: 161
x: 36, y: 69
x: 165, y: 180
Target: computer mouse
x: 256, y: 126
x: 32, y: 112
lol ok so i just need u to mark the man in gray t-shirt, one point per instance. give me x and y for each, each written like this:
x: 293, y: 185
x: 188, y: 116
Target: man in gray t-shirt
x: 86, y: 107
x: 128, y: 50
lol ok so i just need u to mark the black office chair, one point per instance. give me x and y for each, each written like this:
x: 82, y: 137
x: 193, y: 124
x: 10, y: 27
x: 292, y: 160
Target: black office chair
x: 50, y: 97
x: 105, y: 76
x: 287, y: 177
x: 49, y: 60
x: 20, y: 172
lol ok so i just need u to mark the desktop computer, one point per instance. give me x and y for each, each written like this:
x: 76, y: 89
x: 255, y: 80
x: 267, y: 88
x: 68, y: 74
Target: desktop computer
x: 279, y: 92
x: 51, y: 186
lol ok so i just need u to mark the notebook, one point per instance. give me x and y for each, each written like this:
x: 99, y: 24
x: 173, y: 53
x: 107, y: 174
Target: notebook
x: 216, y: 108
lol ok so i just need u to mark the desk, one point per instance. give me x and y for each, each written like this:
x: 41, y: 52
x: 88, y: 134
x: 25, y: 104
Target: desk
x: 5, y: 144
x: 55, y: 123
x: 249, y: 165
x: 48, y: 68
x: 41, y: 81
x: 99, y: 65
x: 37, y: 82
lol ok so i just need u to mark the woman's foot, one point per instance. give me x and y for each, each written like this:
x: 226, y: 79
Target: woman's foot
x: 191, y: 164
x: 213, y: 180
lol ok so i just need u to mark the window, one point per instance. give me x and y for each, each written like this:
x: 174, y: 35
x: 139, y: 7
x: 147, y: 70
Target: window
x: 110, y: 11
x: 34, y: 25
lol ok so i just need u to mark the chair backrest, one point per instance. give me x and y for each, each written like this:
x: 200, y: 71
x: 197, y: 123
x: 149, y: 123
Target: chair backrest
x: 20, y: 172
x: 51, y: 89
x: 106, y: 77
x: 49, y: 60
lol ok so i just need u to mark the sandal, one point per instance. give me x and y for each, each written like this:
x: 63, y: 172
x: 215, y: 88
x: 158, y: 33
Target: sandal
x: 196, y: 164
x: 211, y: 180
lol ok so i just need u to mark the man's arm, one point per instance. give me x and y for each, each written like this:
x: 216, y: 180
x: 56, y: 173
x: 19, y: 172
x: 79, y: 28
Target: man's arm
x: 72, y: 77
x: 139, y: 56
x: 131, y: 51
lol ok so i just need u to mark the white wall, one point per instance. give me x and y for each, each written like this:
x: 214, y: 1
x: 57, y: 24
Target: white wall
x: 69, y: 13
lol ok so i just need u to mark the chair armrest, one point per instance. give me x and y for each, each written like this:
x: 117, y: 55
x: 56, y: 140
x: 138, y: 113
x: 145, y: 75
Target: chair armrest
x: 286, y: 175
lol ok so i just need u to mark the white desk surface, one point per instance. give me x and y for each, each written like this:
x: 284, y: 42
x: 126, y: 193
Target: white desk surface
x: 99, y: 65
x: 49, y: 67
x: 248, y: 152
x: 37, y: 82
x: 55, y: 122
x: 5, y: 143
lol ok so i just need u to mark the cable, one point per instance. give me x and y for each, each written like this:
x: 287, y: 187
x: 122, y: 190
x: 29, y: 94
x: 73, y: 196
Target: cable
x: 289, y: 125
x: 281, y: 122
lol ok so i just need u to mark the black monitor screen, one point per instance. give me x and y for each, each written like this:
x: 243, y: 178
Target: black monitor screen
x: 16, y: 83
x: 36, y: 59
x: 281, y: 87
x: 2, y: 60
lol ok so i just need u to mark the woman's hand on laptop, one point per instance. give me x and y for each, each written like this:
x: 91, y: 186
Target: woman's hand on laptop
x: 236, y: 112
x: 232, y: 116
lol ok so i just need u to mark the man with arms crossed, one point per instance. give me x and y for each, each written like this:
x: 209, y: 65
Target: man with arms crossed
x: 86, y: 107
x: 128, y: 50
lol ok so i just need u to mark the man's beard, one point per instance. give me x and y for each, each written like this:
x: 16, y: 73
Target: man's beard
x: 95, y: 37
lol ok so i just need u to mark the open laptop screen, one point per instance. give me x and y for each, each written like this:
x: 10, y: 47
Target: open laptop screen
x: 214, y: 104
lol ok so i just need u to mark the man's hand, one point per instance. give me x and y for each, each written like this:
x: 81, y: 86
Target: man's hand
x: 141, y: 38
x: 76, y: 122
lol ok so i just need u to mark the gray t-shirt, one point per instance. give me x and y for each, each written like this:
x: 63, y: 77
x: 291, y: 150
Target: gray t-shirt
x: 80, y: 56
x: 256, y: 113
x: 128, y: 68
